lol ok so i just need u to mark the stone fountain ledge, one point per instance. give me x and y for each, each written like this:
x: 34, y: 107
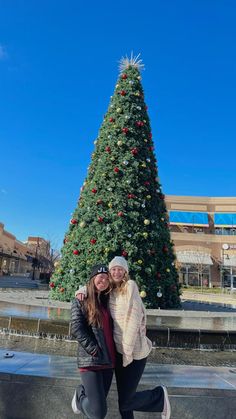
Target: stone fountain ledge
x: 165, y: 337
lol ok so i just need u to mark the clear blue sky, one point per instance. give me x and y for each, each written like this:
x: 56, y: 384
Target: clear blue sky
x: 58, y: 68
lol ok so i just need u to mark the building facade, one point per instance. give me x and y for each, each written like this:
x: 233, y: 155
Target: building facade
x: 203, y: 230
x: 30, y: 258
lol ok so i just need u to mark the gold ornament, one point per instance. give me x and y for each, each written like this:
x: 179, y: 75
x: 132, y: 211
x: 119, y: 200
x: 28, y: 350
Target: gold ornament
x: 56, y: 264
x: 143, y: 165
x: 148, y: 197
x: 117, y: 85
x: 140, y: 261
x: 118, y: 110
x: 145, y: 235
x: 82, y: 224
x: 167, y: 270
x: 146, y: 222
x: 106, y: 250
x: 145, y: 140
x: 139, y: 78
x: 109, y: 204
x: 119, y: 143
x: 143, y: 294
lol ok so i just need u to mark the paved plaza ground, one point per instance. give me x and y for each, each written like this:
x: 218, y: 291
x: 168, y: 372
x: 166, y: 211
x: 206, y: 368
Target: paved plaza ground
x: 201, y: 383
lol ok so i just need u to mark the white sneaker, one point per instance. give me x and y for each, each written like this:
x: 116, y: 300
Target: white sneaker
x: 167, y: 410
x: 74, y: 404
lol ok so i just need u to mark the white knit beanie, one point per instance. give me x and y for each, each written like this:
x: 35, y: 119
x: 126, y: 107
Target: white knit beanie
x: 119, y: 261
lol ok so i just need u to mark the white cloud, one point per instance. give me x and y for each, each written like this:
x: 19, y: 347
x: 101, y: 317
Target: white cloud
x: 3, y: 53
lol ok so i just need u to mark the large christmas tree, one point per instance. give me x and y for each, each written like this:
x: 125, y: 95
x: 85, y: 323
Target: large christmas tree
x: 121, y: 208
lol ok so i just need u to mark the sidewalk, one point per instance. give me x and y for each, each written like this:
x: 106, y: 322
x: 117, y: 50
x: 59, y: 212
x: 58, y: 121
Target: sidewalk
x: 30, y: 297
x: 173, y: 376
x: 212, y: 298
x: 41, y: 297
x: 43, y: 387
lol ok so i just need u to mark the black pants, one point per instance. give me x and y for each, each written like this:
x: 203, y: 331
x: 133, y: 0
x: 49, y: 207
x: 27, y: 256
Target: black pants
x: 127, y: 379
x: 96, y: 385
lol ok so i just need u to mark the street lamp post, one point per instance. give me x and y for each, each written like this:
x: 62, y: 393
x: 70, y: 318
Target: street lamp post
x: 225, y: 247
x: 35, y: 259
x: 187, y: 267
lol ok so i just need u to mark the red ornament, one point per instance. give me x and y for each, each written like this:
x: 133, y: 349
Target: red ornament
x: 124, y: 253
x: 122, y: 92
x: 131, y: 196
x: 158, y: 275
x: 124, y: 76
x: 146, y: 107
x: 151, y: 148
x: 108, y: 149
x: 173, y: 287
x: 65, y: 240
x: 76, y: 252
x: 146, y: 183
x: 165, y: 249
x: 152, y: 252
x: 99, y: 202
x: 94, y: 190
x: 73, y: 221
x: 111, y: 119
x: 116, y: 169
x: 100, y: 219
x: 125, y: 130
x: 134, y: 151
x: 120, y: 214
x: 162, y: 196
x: 52, y: 285
x: 150, y: 135
x: 93, y: 241
x: 140, y: 123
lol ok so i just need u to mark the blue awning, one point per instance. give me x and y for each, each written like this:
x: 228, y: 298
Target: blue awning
x: 225, y: 219
x: 189, y: 218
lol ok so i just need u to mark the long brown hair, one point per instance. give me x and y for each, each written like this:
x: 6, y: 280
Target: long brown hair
x: 94, y: 302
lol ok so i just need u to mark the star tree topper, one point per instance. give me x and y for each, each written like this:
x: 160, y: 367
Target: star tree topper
x: 133, y: 61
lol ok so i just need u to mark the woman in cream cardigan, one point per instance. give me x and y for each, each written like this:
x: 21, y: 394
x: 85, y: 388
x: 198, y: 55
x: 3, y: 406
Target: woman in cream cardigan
x: 132, y: 345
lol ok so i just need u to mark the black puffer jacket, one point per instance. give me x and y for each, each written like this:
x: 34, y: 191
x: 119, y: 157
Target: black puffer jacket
x: 90, y: 339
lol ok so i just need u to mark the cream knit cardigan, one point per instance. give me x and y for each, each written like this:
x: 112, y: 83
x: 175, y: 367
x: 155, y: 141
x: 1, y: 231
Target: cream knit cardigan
x: 129, y: 317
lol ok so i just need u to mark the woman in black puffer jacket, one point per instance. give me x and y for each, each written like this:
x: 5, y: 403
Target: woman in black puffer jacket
x: 91, y: 325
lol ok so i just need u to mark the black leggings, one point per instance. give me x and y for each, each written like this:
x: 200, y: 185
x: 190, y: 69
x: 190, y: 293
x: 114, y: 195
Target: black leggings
x: 96, y: 385
x: 127, y: 379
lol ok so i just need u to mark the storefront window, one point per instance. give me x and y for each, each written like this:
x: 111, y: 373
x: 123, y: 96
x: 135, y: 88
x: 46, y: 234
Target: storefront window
x: 195, y: 276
